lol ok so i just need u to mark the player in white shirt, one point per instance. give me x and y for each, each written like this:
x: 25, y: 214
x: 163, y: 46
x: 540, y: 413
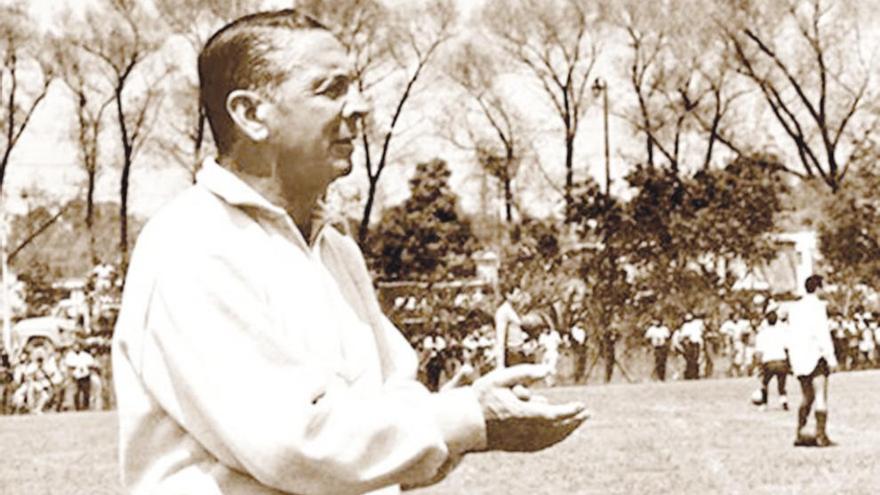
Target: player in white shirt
x: 811, y: 354
x: 658, y: 335
x: 549, y: 341
x: 771, y: 347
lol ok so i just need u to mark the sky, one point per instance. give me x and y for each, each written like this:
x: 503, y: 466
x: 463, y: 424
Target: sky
x: 45, y: 157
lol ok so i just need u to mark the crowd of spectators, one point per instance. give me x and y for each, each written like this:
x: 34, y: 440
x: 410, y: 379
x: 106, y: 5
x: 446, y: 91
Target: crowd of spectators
x: 48, y: 378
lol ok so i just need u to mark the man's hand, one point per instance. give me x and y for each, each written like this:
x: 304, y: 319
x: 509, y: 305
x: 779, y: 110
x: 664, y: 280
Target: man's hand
x: 517, y: 421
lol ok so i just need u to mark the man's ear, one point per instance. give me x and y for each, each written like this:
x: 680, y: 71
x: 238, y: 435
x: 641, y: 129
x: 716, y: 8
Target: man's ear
x: 248, y: 111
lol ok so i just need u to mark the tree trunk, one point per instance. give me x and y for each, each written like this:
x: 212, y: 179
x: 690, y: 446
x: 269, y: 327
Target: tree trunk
x: 368, y: 209
x: 508, y: 193
x: 123, y: 211
x: 608, y: 353
x: 90, y: 215
x: 569, y: 174
x: 3, y: 163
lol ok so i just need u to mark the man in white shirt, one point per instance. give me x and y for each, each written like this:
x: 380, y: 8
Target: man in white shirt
x: 549, y: 340
x: 771, y: 347
x: 875, y: 326
x: 692, y: 344
x: 811, y: 354
x: 578, y: 341
x: 435, y: 352
x: 658, y: 335
x: 509, y: 335
x: 81, y: 363
x: 232, y: 288
x: 866, y: 344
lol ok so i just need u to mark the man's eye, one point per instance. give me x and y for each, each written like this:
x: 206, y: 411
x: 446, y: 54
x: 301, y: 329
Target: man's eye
x: 336, y: 88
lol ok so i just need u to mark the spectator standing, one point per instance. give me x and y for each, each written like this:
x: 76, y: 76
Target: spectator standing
x: 578, y: 337
x: 549, y: 340
x: 434, y: 346
x: 658, y: 335
x: 509, y: 335
x: 838, y: 336
x: 81, y: 364
x: 876, y: 327
x: 866, y: 344
x: 853, y: 337
x: 738, y: 331
x: 7, y: 385
x: 39, y: 385
x: 692, y: 343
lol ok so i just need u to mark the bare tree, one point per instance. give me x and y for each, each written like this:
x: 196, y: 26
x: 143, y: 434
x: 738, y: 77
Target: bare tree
x: 194, y: 21
x: 392, y: 50
x: 681, y: 78
x: 555, y: 42
x: 805, y: 58
x: 24, y: 77
x: 91, y: 99
x: 121, y: 37
x: 493, y: 128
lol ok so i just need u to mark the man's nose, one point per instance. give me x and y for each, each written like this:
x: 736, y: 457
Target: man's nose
x: 355, y: 107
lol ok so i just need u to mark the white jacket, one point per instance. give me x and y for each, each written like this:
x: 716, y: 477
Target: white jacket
x: 249, y: 362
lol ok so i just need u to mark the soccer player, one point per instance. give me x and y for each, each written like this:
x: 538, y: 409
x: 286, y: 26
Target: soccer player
x: 772, y: 353
x: 811, y: 353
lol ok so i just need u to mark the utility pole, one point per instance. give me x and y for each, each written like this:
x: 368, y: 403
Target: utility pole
x: 601, y: 87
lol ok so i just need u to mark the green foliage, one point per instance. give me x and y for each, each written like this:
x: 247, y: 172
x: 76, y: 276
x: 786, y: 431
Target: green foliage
x: 667, y: 250
x: 424, y: 238
x: 850, y: 230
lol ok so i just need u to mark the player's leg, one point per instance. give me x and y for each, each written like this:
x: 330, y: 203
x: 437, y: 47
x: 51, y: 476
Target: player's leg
x: 662, y: 356
x: 822, y: 410
x: 808, y: 395
x: 781, y: 376
x: 766, y: 376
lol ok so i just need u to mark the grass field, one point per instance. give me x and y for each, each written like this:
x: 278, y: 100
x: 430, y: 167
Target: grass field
x: 679, y: 437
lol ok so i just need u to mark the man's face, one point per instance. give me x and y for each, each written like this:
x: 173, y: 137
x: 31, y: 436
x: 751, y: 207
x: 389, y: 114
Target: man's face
x: 314, y: 113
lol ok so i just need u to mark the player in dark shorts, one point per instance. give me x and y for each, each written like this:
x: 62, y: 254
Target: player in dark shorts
x: 811, y: 353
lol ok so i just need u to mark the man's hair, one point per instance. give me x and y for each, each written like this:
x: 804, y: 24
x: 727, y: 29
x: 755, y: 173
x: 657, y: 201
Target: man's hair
x: 812, y: 283
x: 237, y: 57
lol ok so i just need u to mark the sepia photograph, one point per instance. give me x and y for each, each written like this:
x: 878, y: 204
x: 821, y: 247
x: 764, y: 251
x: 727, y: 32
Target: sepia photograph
x: 443, y: 247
